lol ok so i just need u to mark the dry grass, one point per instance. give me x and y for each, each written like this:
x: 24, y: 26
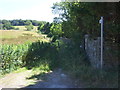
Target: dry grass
x: 20, y: 27
x: 23, y: 28
x: 20, y: 37
x: 10, y: 33
x: 15, y: 33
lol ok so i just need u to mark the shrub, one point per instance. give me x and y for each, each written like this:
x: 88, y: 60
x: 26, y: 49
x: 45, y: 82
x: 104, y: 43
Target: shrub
x: 11, y: 57
x: 29, y: 27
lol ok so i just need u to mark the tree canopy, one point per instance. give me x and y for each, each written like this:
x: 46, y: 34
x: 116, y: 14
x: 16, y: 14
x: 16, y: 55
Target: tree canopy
x: 20, y: 22
x: 80, y: 18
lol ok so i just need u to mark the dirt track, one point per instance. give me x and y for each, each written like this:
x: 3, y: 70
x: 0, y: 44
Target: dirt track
x: 55, y: 79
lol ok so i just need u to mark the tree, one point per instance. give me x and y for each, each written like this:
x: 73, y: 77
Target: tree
x: 79, y: 18
x: 28, y: 22
x: 56, y: 29
x: 35, y: 23
x: 7, y: 25
x: 29, y: 27
x: 45, y: 27
x: 1, y: 26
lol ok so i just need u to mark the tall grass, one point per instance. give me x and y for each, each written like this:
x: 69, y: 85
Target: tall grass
x: 30, y: 55
x: 11, y: 57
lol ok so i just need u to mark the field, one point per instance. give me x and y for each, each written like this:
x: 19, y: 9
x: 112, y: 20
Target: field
x: 23, y: 28
x: 19, y: 37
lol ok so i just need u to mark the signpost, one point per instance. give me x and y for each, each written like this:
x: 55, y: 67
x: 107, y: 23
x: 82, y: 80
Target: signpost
x: 101, y: 22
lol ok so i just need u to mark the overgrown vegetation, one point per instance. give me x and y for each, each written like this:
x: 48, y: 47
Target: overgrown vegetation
x: 80, y: 18
x: 77, y: 19
x: 11, y: 57
x: 13, y: 48
x: 48, y: 56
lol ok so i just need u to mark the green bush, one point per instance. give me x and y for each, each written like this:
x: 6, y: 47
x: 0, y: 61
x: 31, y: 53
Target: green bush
x: 40, y: 53
x: 50, y: 34
x: 29, y: 27
x: 55, y: 37
x: 56, y: 29
x: 28, y: 55
x: 11, y: 57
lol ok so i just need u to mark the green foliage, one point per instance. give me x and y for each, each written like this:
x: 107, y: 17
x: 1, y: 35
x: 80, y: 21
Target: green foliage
x: 41, y: 56
x: 40, y: 53
x: 20, y: 22
x: 54, y: 38
x: 29, y: 27
x: 29, y: 55
x: 40, y: 27
x: 83, y: 18
x: 78, y: 19
x: 6, y: 25
x: 56, y: 29
x: 11, y: 57
x: 28, y: 22
x: 1, y: 25
x: 35, y: 22
x: 44, y: 27
x: 75, y: 61
x: 50, y: 34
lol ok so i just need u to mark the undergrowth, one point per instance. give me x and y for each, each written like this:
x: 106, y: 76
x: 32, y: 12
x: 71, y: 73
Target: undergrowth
x: 42, y: 57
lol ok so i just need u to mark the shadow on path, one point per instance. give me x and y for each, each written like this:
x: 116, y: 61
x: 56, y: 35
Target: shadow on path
x: 55, y: 79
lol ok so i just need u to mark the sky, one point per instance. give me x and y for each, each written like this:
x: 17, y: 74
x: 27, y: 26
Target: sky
x: 27, y: 9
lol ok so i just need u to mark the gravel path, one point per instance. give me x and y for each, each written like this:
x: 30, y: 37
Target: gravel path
x: 15, y: 80
x: 55, y: 79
